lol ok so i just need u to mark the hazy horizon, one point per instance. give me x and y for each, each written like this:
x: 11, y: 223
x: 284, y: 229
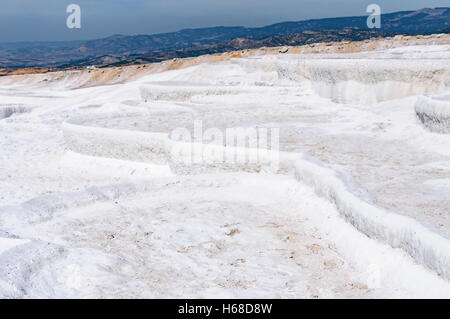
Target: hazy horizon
x: 27, y: 20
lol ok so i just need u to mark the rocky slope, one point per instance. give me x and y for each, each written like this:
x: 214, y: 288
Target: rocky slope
x: 91, y: 76
x: 296, y: 39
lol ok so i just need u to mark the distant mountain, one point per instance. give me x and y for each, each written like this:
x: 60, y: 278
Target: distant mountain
x: 295, y: 39
x: 120, y: 47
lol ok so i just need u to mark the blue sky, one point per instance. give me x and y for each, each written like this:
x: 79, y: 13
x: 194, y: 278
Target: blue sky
x: 45, y: 20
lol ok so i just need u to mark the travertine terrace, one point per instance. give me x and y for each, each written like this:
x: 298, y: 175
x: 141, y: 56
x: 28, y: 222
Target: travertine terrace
x: 95, y: 204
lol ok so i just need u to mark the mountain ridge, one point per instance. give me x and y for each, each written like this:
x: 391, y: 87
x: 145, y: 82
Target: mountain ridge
x: 57, y: 54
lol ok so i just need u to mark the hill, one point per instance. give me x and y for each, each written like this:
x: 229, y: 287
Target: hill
x: 192, y: 42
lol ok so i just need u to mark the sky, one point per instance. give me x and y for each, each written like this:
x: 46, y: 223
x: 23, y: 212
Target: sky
x: 45, y: 20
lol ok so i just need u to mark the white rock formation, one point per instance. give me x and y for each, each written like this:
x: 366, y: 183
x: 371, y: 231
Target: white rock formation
x: 434, y: 112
